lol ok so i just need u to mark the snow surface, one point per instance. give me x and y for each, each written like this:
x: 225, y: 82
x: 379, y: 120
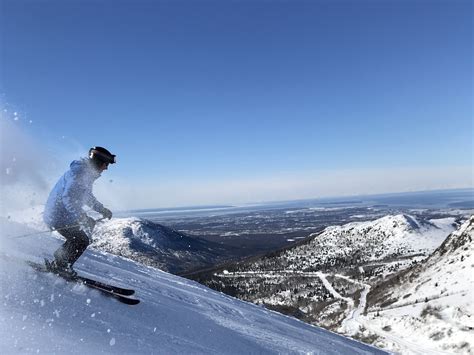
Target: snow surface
x: 40, y: 313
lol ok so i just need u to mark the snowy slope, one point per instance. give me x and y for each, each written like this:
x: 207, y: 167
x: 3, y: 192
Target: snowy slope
x: 431, y: 304
x: 40, y: 313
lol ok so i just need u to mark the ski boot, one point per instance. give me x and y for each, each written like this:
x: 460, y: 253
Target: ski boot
x: 63, y: 270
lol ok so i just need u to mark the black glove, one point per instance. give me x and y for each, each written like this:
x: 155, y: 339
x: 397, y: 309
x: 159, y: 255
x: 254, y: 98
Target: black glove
x: 106, y: 213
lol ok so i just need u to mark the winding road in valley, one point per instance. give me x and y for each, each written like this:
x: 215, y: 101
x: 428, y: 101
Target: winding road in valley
x: 354, y: 319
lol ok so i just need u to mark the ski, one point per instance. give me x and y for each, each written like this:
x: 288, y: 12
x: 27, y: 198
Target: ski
x: 117, y: 296
x: 119, y: 293
x: 115, y: 289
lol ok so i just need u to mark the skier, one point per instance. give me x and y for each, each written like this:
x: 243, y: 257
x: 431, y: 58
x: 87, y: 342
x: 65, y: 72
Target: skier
x: 64, y: 208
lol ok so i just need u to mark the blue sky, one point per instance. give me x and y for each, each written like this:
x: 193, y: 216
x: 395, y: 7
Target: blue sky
x: 234, y: 101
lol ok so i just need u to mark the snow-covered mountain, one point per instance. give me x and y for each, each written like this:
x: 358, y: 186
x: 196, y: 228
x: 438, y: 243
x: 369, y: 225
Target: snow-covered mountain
x: 448, y: 269
x: 40, y: 313
x: 155, y: 245
x: 356, y: 243
x: 432, y: 303
x: 387, y: 237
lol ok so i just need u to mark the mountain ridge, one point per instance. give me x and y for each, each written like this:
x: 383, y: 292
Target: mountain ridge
x: 360, y: 242
x: 156, y: 245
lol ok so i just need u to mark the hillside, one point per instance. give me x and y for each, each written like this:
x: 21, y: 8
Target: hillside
x: 431, y: 303
x: 156, y: 245
x: 40, y: 313
x: 357, y: 243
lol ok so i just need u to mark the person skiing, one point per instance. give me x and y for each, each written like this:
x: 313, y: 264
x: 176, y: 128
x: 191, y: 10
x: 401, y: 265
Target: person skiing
x: 64, y: 208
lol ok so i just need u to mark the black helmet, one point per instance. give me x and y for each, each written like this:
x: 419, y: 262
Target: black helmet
x: 101, y: 155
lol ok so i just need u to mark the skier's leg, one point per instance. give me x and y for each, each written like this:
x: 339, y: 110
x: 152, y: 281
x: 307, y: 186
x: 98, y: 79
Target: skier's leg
x: 76, y: 243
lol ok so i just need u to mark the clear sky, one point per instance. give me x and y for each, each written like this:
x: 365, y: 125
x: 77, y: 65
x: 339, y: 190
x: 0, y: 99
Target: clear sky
x: 239, y: 101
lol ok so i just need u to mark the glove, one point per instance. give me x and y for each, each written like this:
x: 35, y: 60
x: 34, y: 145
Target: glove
x: 106, y: 213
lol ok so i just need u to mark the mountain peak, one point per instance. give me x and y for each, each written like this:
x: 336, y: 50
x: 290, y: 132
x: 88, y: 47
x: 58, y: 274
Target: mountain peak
x: 397, y: 223
x: 135, y: 230
x: 154, y: 244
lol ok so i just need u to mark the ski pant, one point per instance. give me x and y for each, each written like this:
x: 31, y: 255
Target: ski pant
x: 76, y: 243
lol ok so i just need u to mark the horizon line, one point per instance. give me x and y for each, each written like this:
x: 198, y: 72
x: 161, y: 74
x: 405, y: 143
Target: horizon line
x: 270, y: 202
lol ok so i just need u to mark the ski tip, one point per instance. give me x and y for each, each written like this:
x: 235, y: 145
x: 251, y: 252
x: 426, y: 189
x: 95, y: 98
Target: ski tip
x: 125, y: 300
x: 134, y: 302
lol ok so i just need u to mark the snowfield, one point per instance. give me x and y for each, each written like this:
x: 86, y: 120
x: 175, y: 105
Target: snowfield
x: 40, y: 313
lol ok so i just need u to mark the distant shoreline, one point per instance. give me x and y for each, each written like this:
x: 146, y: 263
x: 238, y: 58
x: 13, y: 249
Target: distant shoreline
x: 454, y: 198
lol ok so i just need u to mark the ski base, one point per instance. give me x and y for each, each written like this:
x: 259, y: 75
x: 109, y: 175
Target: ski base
x: 119, y: 293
